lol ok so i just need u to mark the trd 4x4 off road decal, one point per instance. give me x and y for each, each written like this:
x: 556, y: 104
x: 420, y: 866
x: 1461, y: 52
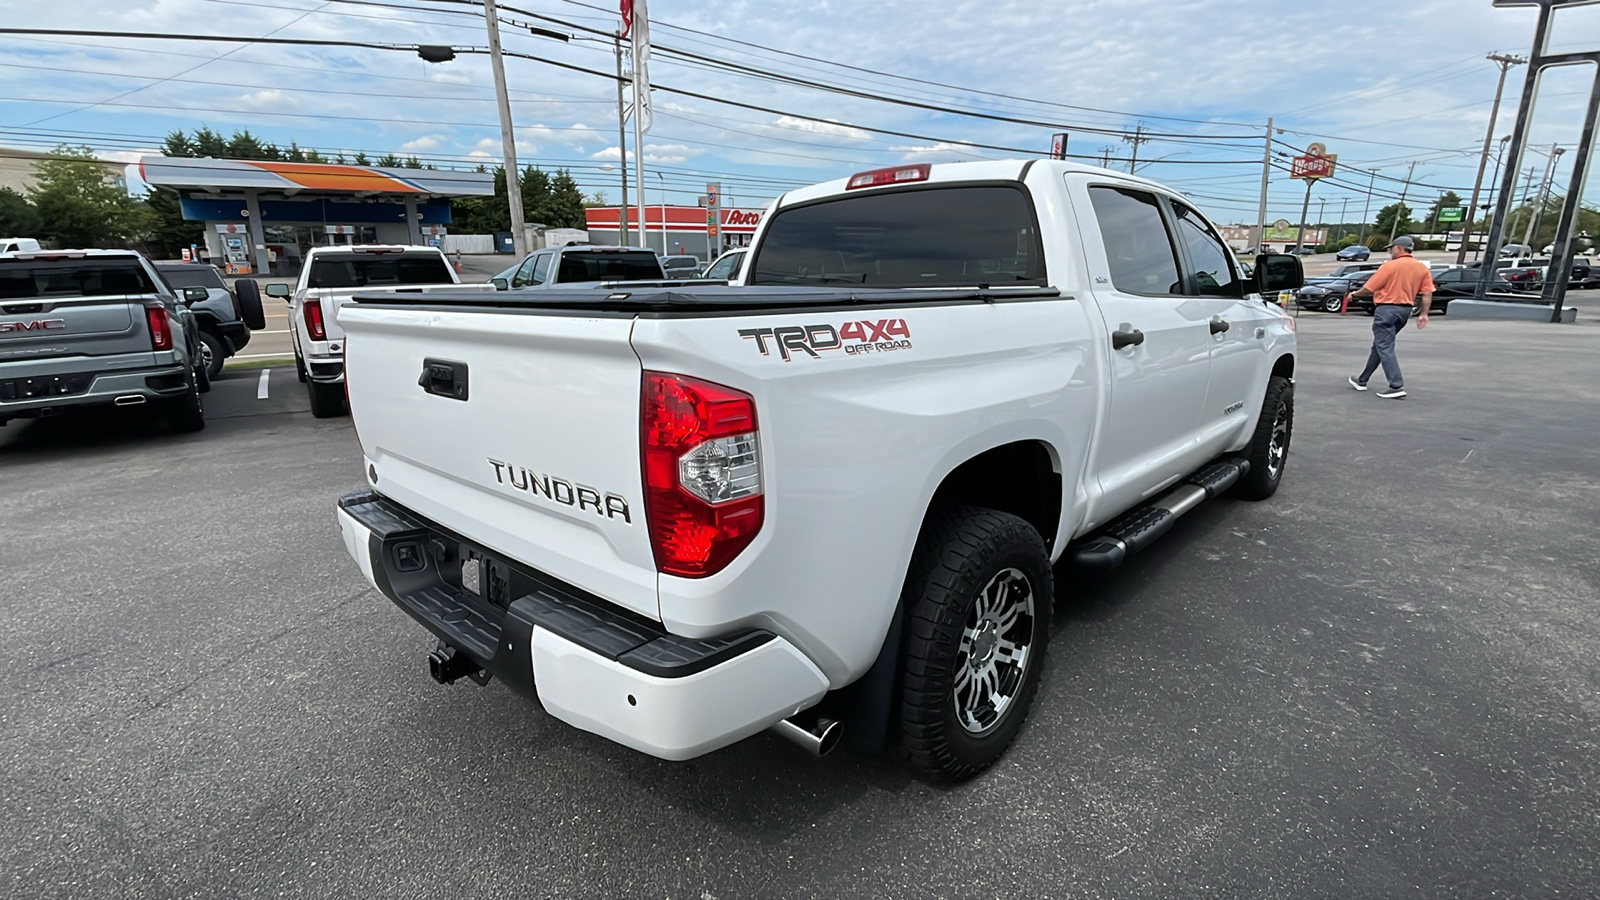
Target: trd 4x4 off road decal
x: 853, y: 338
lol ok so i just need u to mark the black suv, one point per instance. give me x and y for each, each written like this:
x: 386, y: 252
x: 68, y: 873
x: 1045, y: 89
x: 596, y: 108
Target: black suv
x: 224, y: 317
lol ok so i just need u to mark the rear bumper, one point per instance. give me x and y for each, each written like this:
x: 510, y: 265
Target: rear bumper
x: 587, y: 662
x: 32, y: 387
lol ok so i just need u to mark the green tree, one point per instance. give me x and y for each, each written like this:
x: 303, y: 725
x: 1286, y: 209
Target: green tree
x: 359, y: 159
x: 164, y: 226
x: 566, y: 201
x: 537, y: 201
x: 244, y: 145
x: 18, y: 218
x: 1395, y: 217
x: 78, y: 206
x: 388, y: 161
x: 178, y: 144
x: 209, y: 143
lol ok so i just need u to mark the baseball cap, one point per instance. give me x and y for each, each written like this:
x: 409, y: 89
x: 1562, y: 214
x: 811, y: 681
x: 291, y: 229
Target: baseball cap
x: 1404, y: 242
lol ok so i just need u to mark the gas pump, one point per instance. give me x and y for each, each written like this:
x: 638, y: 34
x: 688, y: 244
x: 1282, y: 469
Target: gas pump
x: 235, y: 249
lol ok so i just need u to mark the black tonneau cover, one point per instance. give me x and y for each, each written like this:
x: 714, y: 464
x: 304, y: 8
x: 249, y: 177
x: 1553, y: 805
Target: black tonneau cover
x: 716, y: 297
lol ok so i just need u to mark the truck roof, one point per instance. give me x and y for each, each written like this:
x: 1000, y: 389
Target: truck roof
x: 52, y: 255
x: 371, y: 248
x: 984, y: 170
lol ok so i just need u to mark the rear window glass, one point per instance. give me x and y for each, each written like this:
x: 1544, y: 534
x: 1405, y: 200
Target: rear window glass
x: 74, y: 279
x: 681, y: 262
x: 930, y: 237
x: 181, y: 277
x: 356, y: 271
x: 592, y: 266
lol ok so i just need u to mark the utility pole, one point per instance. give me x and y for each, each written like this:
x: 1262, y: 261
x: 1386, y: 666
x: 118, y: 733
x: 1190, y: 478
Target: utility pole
x: 1105, y: 153
x: 1366, y: 211
x: 1405, y: 189
x: 1540, y: 199
x: 1135, y: 139
x: 508, y: 138
x: 622, y: 148
x: 1266, y: 169
x: 1344, y: 212
x: 1505, y: 62
x: 1526, y: 187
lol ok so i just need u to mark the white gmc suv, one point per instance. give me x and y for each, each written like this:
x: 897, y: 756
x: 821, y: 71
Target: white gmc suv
x: 827, y: 500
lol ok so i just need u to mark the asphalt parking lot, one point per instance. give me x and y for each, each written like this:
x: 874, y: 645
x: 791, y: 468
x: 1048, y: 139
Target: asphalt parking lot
x: 1385, y: 681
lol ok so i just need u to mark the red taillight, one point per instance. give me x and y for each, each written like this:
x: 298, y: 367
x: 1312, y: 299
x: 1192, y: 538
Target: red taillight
x: 702, y: 473
x: 160, y: 327
x: 313, y: 309
x: 891, y: 175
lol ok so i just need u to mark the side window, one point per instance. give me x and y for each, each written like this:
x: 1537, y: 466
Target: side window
x: 541, y: 267
x: 1138, y: 247
x: 1213, y: 270
x: 524, y: 274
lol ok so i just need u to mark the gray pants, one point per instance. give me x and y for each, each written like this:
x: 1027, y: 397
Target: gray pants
x: 1387, y: 320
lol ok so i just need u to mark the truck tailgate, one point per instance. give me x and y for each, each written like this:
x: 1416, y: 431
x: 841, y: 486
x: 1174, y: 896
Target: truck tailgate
x: 87, y: 326
x: 518, y: 431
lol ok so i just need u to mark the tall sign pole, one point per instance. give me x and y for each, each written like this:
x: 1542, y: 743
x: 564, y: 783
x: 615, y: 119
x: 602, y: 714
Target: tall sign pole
x: 636, y: 24
x: 1315, y: 164
x: 508, y: 139
x: 623, y: 236
x: 1505, y: 62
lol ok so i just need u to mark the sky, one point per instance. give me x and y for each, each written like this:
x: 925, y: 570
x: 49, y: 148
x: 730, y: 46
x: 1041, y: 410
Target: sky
x: 1380, y: 83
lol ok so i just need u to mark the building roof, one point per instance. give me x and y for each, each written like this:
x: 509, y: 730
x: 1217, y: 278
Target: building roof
x: 220, y: 175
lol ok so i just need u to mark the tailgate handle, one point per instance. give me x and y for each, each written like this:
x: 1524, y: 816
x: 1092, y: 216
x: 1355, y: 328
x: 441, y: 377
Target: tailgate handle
x: 444, y: 378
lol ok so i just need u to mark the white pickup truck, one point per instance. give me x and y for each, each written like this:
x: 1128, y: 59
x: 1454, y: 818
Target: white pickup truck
x: 329, y: 277
x: 828, y: 500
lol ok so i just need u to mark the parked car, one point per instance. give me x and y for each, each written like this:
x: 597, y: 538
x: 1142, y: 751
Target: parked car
x: 1327, y: 295
x: 1521, y: 272
x: 330, y: 277
x: 726, y: 267
x: 1353, y: 252
x: 86, y: 328
x: 1462, y: 282
x: 681, y: 266
x: 225, y: 319
x: 1348, y: 269
x: 12, y: 246
x: 676, y: 516
x: 585, y: 263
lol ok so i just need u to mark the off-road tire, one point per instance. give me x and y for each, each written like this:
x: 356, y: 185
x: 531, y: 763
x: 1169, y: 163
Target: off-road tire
x: 214, y: 354
x: 327, y: 400
x: 185, y: 414
x: 300, y: 368
x: 1267, y: 459
x: 960, y: 552
x: 247, y: 295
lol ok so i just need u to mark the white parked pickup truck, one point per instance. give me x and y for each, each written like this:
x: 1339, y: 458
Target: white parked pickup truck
x: 826, y: 501
x: 329, y: 277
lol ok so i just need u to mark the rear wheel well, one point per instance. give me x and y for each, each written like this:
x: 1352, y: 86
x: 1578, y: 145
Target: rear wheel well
x: 1019, y: 478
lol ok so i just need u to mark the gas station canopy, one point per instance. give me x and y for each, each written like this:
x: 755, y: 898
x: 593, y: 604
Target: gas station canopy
x: 264, y: 215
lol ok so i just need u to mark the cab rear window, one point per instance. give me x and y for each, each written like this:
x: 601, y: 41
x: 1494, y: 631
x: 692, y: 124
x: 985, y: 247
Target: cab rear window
x: 376, y: 270
x: 608, y: 266
x: 925, y: 237
x: 73, y: 279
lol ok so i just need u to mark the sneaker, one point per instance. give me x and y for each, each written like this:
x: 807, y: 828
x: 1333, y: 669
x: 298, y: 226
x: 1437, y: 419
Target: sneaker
x: 1393, y: 394
x: 1356, y: 384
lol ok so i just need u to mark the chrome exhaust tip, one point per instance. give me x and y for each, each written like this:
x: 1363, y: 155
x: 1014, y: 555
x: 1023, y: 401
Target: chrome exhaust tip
x: 818, y: 740
x: 129, y: 400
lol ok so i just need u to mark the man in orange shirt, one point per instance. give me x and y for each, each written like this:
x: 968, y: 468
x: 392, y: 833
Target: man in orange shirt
x: 1396, y: 288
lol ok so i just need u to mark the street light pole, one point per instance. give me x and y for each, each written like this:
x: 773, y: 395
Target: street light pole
x: 1266, y: 168
x: 508, y: 140
x: 1394, y: 226
x: 1505, y: 62
x: 1539, y: 198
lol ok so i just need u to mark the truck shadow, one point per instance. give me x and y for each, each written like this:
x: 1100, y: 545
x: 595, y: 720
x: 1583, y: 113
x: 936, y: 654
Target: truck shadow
x: 1084, y: 595
x: 86, y: 431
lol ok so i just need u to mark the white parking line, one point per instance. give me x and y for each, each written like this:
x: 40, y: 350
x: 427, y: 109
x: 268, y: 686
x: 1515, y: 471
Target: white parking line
x: 261, y: 386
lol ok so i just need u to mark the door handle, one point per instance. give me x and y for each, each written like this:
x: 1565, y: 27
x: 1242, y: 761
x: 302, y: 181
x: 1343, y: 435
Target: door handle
x: 1121, y: 339
x: 1219, y: 325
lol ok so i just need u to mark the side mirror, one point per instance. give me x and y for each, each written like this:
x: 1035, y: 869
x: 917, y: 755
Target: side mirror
x: 500, y: 284
x: 1278, y: 272
x: 195, y: 294
x: 280, y: 291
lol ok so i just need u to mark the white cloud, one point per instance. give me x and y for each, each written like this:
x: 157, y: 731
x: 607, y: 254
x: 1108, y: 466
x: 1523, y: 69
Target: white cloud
x: 269, y: 100
x: 443, y: 76
x: 479, y: 154
x: 940, y: 149
x: 608, y: 153
x: 831, y: 129
x: 423, y: 144
x: 576, y: 134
